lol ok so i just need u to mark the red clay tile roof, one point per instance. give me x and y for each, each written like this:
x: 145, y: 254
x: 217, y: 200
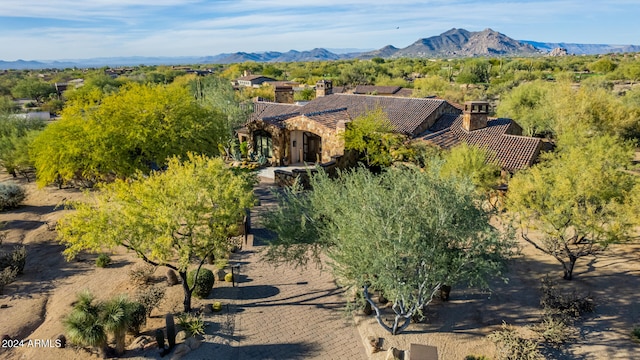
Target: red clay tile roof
x: 375, y: 90
x: 405, y: 114
x: 404, y: 92
x: 511, y: 151
x: 273, y: 112
x: 329, y: 118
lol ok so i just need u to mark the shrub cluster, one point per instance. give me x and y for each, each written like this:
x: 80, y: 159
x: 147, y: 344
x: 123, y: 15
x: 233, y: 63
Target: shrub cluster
x: 150, y: 298
x: 6, y: 277
x: 513, y: 346
x: 564, y: 307
x: 142, y: 275
x: 204, y: 283
x: 103, y: 260
x: 11, y: 264
x: 11, y: 195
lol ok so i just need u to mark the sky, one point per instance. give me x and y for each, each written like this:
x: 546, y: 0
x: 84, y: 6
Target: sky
x: 82, y: 29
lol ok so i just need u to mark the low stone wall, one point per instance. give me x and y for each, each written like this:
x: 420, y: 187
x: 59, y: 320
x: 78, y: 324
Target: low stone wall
x: 341, y: 162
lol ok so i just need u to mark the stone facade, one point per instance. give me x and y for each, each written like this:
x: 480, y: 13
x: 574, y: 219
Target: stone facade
x: 332, y: 142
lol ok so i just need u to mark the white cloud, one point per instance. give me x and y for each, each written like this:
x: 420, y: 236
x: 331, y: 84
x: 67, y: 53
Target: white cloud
x: 207, y: 27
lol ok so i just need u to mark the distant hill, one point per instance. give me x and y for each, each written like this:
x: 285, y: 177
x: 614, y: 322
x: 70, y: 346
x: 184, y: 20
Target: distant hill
x: 386, y: 52
x: 584, y: 49
x: 460, y: 43
x: 452, y: 43
x: 317, y: 54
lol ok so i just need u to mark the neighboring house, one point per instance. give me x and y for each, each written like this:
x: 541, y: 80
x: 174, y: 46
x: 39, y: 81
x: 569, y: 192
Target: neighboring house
x: 383, y: 90
x: 39, y: 115
x: 290, y: 134
x: 253, y: 80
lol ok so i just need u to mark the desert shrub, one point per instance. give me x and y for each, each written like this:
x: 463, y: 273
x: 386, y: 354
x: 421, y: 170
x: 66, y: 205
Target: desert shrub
x: 150, y: 298
x: 6, y: 277
x: 11, y: 195
x: 204, y: 283
x: 554, y: 331
x: 19, y: 258
x: 476, y: 357
x: 635, y: 334
x: 191, y: 324
x: 138, y: 313
x: 512, y: 346
x: 142, y: 275
x: 565, y: 307
x: 15, y: 259
x: 103, y: 260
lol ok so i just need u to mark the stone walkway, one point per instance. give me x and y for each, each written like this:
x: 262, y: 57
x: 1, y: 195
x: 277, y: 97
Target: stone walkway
x: 286, y: 313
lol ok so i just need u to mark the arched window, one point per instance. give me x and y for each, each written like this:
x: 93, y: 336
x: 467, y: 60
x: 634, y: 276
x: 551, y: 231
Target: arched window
x: 263, y: 144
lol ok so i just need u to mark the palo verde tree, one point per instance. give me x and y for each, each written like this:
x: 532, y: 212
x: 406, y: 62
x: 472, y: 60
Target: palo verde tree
x: 406, y: 232
x: 580, y: 199
x: 372, y: 136
x: 169, y: 218
x: 15, y: 136
x: 134, y: 129
x: 476, y: 163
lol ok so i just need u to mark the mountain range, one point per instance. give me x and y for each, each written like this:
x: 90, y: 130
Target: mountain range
x: 452, y: 43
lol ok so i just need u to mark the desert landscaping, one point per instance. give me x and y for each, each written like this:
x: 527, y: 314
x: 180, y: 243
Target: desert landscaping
x: 34, y: 306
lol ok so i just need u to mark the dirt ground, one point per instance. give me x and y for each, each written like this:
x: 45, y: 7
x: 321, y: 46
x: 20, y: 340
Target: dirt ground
x: 34, y: 305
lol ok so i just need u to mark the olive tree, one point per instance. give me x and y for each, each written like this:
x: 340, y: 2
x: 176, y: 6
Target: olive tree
x: 170, y: 218
x: 406, y: 232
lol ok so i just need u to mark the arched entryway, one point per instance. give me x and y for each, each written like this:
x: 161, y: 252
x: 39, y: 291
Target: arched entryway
x: 263, y: 143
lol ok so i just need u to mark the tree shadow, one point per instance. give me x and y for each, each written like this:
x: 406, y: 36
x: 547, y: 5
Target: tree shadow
x: 22, y: 225
x: 251, y: 292
x: 44, y: 265
x: 290, y: 351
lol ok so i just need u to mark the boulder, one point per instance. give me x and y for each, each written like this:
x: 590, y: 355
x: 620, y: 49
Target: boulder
x: 193, y: 343
x: 180, y: 351
x: 181, y: 336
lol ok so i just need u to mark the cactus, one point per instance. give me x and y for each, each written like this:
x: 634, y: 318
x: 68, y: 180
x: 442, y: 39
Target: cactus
x: 171, y: 330
x: 160, y: 339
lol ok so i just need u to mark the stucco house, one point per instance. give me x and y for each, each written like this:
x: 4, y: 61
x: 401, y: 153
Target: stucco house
x: 253, y: 80
x: 292, y: 134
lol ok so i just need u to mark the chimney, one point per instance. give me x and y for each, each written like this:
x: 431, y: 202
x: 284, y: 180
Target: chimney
x: 323, y: 88
x: 475, y: 115
x: 283, y: 94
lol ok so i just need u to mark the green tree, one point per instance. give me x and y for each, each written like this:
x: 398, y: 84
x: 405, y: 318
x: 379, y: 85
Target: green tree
x: 217, y: 94
x: 167, y: 218
x: 7, y: 105
x: 405, y: 232
x: 32, y: 88
x: 16, y: 135
x: 474, y: 71
x: 134, y: 129
x: 476, y: 164
x: 579, y: 198
x: 603, y: 66
x: 372, y: 136
x: 530, y: 105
